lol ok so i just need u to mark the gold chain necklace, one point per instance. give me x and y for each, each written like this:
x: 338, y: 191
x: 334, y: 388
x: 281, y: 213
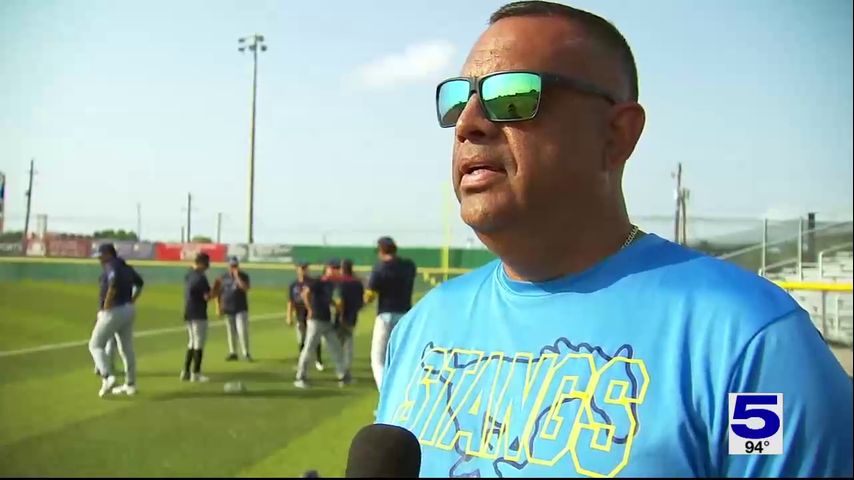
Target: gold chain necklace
x: 632, y: 236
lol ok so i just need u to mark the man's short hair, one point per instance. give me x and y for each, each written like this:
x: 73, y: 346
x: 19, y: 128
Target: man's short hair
x: 387, y: 246
x: 203, y: 259
x: 107, y: 249
x: 600, y: 30
x: 347, y: 266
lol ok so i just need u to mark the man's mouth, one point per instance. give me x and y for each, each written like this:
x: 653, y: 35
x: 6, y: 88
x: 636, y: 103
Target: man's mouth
x: 480, y: 175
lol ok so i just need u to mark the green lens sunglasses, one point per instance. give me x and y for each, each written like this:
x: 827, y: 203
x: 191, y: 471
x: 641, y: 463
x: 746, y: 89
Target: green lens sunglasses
x: 508, y: 96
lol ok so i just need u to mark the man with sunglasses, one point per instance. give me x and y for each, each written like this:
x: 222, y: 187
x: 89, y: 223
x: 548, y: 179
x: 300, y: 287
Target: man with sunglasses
x: 591, y: 348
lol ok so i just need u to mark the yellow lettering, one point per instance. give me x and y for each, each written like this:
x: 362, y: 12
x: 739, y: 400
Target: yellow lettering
x: 464, y: 399
x: 437, y: 365
x: 550, y: 359
x: 404, y: 410
x: 618, y: 402
x: 468, y: 383
x: 550, y: 449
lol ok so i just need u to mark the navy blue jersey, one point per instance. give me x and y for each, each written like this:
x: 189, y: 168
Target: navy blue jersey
x: 234, y: 299
x: 123, y: 278
x: 295, y: 293
x: 393, y: 281
x: 321, y: 298
x: 351, y: 293
x: 196, y: 286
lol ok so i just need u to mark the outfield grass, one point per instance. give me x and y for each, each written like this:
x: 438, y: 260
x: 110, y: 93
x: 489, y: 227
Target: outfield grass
x: 53, y: 422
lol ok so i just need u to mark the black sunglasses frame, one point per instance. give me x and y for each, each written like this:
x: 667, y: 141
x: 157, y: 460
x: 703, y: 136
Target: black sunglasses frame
x: 476, y: 86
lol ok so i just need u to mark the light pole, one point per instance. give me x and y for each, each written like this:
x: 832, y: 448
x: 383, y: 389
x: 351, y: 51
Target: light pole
x: 253, y: 43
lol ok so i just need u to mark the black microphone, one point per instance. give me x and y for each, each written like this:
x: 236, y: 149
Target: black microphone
x: 384, y: 451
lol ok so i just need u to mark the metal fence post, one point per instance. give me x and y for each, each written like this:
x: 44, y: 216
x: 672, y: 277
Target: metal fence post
x: 824, y: 314
x: 837, y: 324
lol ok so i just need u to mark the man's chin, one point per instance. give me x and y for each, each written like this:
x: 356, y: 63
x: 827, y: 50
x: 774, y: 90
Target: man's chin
x: 483, y: 217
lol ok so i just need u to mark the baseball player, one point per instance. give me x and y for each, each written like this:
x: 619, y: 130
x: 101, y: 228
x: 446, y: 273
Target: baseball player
x: 197, y: 293
x: 349, y: 301
x: 317, y: 295
x: 232, y: 301
x: 392, y: 280
x: 120, y: 288
x: 296, y: 306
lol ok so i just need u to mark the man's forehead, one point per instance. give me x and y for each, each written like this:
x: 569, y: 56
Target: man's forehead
x: 527, y: 43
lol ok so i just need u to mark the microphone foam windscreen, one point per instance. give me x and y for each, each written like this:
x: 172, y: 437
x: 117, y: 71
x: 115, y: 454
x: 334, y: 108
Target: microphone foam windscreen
x: 384, y: 451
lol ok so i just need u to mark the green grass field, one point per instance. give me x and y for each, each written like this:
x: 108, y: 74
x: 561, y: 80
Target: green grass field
x: 52, y: 422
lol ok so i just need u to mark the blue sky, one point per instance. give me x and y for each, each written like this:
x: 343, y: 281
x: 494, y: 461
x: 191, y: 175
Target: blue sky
x: 127, y: 102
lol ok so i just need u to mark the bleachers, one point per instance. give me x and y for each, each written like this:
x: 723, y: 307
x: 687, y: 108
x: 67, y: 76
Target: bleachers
x: 832, y: 312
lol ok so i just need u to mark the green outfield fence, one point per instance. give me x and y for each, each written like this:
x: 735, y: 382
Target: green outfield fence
x: 84, y: 270
x: 458, y: 258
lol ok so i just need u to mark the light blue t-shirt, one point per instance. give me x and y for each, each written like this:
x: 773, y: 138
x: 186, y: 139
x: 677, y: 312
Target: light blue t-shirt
x: 622, y: 370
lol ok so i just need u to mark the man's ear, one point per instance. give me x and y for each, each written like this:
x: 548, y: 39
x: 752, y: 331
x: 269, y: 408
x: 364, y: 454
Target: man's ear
x: 624, y: 130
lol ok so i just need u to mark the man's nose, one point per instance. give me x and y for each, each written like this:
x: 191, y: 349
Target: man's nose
x: 472, y: 125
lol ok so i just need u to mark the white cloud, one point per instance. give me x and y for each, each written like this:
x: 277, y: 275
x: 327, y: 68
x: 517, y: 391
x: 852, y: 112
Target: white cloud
x: 416, y: 62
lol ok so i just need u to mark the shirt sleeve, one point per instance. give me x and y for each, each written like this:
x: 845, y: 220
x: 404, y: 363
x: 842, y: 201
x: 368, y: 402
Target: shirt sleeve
x: 789, y: 357
x: 374, y: 279
x: 359, y: 295
x: 110, y: 274
x: 138, y: 282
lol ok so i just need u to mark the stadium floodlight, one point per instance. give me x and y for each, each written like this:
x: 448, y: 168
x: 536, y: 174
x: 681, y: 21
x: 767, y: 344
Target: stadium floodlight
x: 252, y: 42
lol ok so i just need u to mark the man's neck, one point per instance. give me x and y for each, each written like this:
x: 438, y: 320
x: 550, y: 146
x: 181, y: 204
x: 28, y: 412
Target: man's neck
x: 552, y: 251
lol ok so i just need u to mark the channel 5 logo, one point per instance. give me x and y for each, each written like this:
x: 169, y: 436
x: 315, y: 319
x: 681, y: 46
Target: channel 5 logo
x: 755, y: 423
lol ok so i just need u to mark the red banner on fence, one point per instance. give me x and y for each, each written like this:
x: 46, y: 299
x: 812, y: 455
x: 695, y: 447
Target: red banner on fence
x: 69, y: 247
x: 187, y: 251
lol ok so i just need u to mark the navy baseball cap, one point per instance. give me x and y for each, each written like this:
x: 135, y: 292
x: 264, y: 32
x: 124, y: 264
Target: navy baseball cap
x: 334, y: 263
x: 105, y: 248
x: 233, y: 261
x: 303, y: 264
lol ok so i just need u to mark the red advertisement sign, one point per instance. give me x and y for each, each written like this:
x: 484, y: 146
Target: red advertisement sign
x: 69, y: 247
x: 188, y: 251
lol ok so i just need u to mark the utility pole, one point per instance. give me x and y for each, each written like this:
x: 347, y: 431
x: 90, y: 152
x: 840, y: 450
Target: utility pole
x: 189, y: 217
x: 29, y: 195
x: 139, y: 221
x: 182, y: 235
x: 678, y: 217
x: 253, y: 43
x: 684, y: 206
x: 218, y: 226
x: 680, y: 223
x: 2, y: 200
